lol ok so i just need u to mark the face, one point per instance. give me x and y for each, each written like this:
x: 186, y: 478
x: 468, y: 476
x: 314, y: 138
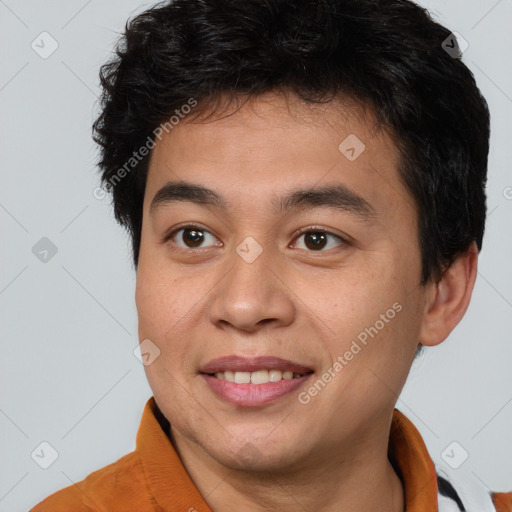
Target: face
x: 303, y: 258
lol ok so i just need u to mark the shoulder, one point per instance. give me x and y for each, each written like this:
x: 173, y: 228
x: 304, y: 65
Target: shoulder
x: 466, y: 492
x: 502, y: 501
x: 108, y: 488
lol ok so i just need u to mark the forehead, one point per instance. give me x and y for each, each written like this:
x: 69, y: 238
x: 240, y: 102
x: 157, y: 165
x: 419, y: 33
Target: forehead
x: 274, y: 143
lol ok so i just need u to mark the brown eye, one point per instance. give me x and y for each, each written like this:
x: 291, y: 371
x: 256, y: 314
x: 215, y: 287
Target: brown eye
x: 315, y: 240
x: 191, y: 237
x: 318, y: 240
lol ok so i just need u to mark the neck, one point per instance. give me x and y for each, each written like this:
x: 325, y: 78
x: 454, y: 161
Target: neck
x: 364, y: 481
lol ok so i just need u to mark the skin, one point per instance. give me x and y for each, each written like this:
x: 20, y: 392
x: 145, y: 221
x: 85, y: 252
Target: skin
x: 293, y: 301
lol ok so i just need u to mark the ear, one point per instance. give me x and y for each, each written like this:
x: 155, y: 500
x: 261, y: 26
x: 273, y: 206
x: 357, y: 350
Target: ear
x: 448, y: 300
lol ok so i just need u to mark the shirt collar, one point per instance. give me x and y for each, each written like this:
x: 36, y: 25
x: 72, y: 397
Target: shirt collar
x: 173, y: 489
x: 411, y: 460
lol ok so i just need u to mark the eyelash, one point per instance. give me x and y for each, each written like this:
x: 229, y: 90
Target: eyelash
x: 310, y: 229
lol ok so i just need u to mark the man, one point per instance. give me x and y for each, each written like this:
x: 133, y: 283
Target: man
x: 304, y: 185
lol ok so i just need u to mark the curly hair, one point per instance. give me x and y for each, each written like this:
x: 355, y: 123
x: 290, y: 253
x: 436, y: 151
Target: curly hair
x: 389, y: 55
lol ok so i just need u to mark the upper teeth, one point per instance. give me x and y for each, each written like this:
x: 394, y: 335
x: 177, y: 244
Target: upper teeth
x: 257, y: 377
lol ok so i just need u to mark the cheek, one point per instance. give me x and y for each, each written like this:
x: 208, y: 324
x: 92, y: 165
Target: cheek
x: 154, y: 306
x: 168, y: 309
x: 351, y: 301
x: 161, y: 298
x: 370, y: 317
x: 162, y: 318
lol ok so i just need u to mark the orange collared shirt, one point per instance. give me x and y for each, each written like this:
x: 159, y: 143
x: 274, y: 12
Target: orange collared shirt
x: 152, y: 478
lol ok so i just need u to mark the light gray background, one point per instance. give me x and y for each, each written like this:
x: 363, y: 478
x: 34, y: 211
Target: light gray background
x: 68, y: 326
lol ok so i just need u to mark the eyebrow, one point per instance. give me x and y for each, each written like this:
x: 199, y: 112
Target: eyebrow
x: 337, y: 197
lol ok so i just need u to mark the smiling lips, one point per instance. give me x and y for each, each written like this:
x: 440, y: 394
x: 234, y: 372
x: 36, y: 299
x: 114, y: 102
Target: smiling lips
x: 253, y: 381
x: 257, y: 377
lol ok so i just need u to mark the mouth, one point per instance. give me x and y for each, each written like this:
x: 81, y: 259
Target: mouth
x: 257, y: 377
x: 253, y: 381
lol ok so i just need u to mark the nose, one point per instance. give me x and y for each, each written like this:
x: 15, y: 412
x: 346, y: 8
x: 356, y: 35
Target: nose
x: 252, y: 296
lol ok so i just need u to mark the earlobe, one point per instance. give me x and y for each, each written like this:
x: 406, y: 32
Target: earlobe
x: 449, y: 298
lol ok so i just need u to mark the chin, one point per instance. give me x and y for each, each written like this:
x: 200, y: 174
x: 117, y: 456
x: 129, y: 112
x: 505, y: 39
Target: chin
x: 258, y: 454
x: 252, y: 459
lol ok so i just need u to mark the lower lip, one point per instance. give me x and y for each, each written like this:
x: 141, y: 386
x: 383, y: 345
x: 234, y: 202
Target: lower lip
x: 253, y: 395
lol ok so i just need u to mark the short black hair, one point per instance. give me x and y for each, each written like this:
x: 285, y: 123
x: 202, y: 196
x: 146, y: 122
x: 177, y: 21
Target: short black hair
x: 389, y: 55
